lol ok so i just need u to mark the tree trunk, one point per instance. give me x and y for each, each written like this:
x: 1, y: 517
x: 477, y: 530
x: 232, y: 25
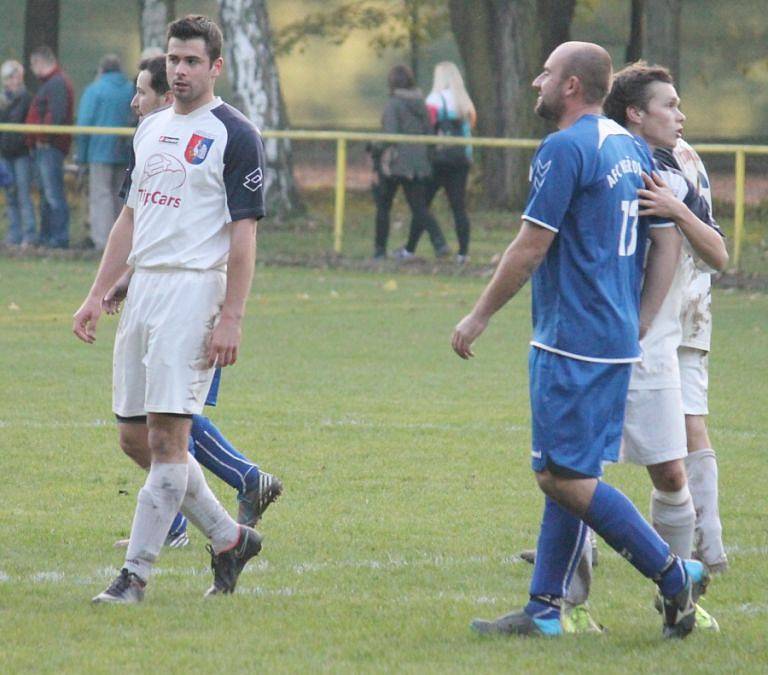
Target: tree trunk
x: 635, y: 44
x: 501, y: 49
x: 661, y: 42
x: 41, y: 27
x: 555, y: 18
x: 154, y: 16
x: 413, y: 36
x: 250, y: 64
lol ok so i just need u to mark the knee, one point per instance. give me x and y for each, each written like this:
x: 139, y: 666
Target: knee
x: 547, y: 482
x: 669, y: 477
x: 136, y: 449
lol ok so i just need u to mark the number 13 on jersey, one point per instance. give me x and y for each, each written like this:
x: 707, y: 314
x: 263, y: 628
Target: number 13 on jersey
x: 628, y: 222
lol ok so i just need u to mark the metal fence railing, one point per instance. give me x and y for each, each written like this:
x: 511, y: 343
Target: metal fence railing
x: 342, y: 138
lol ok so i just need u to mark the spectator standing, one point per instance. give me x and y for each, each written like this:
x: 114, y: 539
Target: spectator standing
x: 14, y: 105
x: 53, y: 104
x: 406, y: 165
x: 106, y: 102
x: 451, y: 113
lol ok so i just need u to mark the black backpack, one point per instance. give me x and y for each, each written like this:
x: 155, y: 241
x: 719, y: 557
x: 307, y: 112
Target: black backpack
x: 449, y: 156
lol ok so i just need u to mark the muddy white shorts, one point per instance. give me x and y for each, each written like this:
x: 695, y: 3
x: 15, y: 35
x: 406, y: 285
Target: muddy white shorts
x: 654, y: 427
x: 694, y: 377
x: 160, y: 360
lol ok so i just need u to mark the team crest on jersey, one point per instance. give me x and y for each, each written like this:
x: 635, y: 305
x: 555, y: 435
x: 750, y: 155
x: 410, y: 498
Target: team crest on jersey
x: 197, y: 149
x: 539, y: 173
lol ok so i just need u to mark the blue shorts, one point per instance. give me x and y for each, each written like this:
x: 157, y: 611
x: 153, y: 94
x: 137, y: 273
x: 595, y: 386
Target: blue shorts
x: 213, y: 392
x: 577, y: 411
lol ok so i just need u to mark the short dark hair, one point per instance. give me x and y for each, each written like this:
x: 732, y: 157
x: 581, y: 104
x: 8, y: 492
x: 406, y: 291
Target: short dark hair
x: 400, y: 77
x: 593, y: 68
x: 197, y: 26
x: 630, y: 88
x: 158, y: 80
x: 43, y: 52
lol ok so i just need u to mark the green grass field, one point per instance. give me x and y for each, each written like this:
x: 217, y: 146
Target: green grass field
x: 408, y: 492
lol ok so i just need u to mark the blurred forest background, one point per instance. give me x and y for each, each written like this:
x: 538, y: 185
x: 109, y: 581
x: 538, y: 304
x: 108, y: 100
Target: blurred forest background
x: 723, y: 58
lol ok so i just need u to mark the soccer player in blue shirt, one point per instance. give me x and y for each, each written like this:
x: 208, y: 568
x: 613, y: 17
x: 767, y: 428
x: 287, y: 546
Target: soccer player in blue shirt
x: 584, y: 244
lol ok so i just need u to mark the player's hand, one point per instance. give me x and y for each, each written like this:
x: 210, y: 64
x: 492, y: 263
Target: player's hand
x: 111, y: 302
x: 658, y: 199
x: 225, y: 342
x: 465, y: 333
x: 85, y: 320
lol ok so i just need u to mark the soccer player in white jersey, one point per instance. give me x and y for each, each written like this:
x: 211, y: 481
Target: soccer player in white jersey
x: 256, y: 488
x: 188, y: 229
x: 584, y: 241
x: 693, y: 355
x: 644, y: 100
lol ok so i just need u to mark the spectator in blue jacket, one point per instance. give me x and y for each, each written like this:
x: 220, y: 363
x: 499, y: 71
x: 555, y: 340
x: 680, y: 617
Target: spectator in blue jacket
x: 106, y: 102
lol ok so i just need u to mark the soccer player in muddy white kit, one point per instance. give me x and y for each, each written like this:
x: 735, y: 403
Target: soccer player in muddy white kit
x: 188, y: 230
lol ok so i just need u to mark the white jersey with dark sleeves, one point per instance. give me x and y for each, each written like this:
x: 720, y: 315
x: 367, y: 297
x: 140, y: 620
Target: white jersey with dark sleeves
x: 659, y: 367
x: 190, y: 177
x: 697, y: 297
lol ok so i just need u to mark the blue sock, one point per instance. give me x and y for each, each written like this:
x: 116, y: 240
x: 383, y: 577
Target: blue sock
x: 220, y: 457
x: 558, y: 551
x: 178, y: 525
x: 616, y: 520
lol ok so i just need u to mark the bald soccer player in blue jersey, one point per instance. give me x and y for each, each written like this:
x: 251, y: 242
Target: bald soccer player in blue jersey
x: 584, y: 244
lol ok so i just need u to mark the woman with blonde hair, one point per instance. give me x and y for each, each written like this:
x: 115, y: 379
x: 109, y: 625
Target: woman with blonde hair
x: 451, y: 113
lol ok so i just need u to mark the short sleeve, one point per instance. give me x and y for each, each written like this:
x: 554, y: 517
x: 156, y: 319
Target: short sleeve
x: 244, y: 167
x: 554, y: 178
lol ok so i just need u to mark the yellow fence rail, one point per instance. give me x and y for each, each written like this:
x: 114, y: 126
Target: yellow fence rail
x: 342, y: 138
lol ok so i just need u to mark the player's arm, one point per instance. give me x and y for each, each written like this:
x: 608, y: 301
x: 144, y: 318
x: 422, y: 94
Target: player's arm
x: 112, y: 266
x: 110, y: 303
x: 225, y: 340
x: 658, y: 200
x: 517, y: 264
x: 661, y: 264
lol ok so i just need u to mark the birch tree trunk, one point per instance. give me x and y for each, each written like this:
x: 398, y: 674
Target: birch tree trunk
x: 250, y: 65
x: 661, y: 39
x: 154, y: 16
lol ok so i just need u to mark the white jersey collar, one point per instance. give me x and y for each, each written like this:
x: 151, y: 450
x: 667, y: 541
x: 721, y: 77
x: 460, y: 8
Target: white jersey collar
x: 197, y: 112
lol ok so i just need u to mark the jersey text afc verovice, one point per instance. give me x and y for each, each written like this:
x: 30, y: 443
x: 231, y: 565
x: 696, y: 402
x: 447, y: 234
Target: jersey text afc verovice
x: 586, y: 292
x: 190, y: 176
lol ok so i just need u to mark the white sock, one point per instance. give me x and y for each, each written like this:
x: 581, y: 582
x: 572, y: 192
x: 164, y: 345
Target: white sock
x: 578, y: 592
x: 156, y: 507
x: 701, y: 467
x: 206, y: 513
x: 674, y: 518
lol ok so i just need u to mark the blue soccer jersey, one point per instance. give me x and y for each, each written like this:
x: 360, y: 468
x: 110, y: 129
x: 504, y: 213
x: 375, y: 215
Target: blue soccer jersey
x: 586, y: 292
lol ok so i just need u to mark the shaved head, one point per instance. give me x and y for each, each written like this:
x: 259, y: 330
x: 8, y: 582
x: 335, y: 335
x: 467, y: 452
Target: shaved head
x: 588, y: 62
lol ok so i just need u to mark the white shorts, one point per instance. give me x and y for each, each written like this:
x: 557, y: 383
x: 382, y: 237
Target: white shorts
x: 694, y: 378
x: 654, y: 427
x: 160, y: 360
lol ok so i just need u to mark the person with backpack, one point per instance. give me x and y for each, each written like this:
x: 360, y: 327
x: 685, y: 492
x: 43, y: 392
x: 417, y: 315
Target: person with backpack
x: 451, y: 113
x: 404, y: 164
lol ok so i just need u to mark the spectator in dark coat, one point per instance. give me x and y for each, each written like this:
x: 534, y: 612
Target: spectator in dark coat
x: 53, y: 104
x: 404, y: 164
x: 14, y: 104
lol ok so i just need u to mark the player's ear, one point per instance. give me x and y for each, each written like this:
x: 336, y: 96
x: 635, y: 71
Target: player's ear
x: 634, y: 114
x: 217, y: 66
